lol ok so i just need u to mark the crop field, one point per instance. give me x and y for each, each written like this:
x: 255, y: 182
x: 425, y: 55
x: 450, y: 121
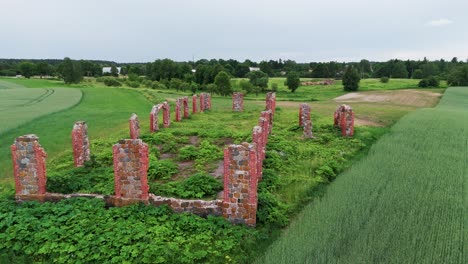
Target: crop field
x: 405, y: 202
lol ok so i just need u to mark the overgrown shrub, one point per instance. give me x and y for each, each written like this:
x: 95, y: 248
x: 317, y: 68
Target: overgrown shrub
x: 429, y: 82
x: 161, y: 169
x: 384, y: 79
x: 200, y: 185
x: 188, y: 153
x: 109, y: 81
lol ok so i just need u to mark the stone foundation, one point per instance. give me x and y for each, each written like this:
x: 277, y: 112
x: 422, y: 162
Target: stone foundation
x: 240, y: 184
x: 134, y: 127
x: 80, y: 143
x: 29, y: 168
x: 237, y: 102
x: 130, y: 171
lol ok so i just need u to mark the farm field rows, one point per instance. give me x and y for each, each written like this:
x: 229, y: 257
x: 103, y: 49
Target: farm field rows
x: 406, y: 202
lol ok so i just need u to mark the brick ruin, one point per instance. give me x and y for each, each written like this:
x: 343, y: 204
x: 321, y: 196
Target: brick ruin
x: 134, y: 126
x: 344, y: 119
x: 80, y: 143
x: 242, y: 171
x: 205, y: 102
x: 181, y: 102
x: 29, y: 168
x: 154, y: 119
x: 271, y: 102
x: 130, y: 171
x: 304, y: 120
x: 237, y: 102
x: 194, y: 103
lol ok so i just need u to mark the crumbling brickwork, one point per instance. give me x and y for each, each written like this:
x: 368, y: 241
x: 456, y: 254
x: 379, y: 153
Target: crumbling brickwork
x: 344, y: 119
x: 240, y: 184
x: 178, y: 116
x: 304, y: 120
x: 80, y: 143
x: 271, y: 102
x: 154, y: 118
x: 258, y: 138
x: 194, y: 103
x: 205, y: 102
x: 198, y: 207
x: 238, y: 102
x: 268, y: 116
x: 29, y: 168
x: 182, y: 102
x: 134, y: 126
x: 130, y: 170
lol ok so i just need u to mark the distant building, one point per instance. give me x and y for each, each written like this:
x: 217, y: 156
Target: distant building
x: 254, y: 69
x: 108, y: 69
x: 194, y: 70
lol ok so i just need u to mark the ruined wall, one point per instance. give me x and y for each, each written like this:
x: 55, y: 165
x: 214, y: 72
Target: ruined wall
x: 182, y: 103
x: 238, y: 102
x: 186, y: 107
x: 205, y: 102
x: 344, y: 119
x: 268, y: 117
x: 80, y: 143
x: 29, y: 168
x: 198, y: 207
x: 194, y: 103
x: 271, y: 102
x: 154, y: 116
x: 304, y: 120
x: 178, y: 115
x: 258, y: 138
x: 134, y: 126
x: 240, y: 184
x: 130, y: 171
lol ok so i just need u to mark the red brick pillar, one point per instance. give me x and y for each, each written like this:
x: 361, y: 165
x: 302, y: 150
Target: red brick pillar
x: 134, y: 127
x: 237, y: 102
x: 202, y: 102
x: 29, y: 168
x: 268, y: 115
x: 130, y: 171
x: 178, y: 116
x: 271, y: 102
x: 346, y: 121
x: 80, y: 142
x: 154, y: 119
x: 240, y: 184
x: 186, y: 107
x: 194, y: 104
x: 166, y: 114
x: 258, y: 139
x: 208, y: 101
x: 304, y: 120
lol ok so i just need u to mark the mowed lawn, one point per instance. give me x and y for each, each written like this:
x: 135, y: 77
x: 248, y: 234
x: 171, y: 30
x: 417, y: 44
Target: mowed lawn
x: 106, y: 111
x: 406, y: 202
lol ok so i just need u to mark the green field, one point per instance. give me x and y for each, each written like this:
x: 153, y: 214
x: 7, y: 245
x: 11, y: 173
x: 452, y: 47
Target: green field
x: 406, y: 202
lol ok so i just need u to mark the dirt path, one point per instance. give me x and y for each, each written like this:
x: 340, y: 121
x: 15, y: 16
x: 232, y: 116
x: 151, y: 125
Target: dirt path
x: 400, y: 97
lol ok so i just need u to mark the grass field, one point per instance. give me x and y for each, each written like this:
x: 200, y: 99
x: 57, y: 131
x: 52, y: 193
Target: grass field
x: 406, y: 202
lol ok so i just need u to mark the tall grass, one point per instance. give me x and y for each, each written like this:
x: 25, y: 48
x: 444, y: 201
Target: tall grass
x: 406, y: 202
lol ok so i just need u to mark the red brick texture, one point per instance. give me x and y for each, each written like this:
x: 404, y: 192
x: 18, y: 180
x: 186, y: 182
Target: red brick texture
x: 344, y: 119
x: 304, y: 120
x: 271, y: 102
x: 29, y: 167
x: 134, y: 125
x: 154, y: 116
x: 237, y: 102
x: 194, y: 104
x: 182, y: 102
x: 240, y: 182
x: 80, y: 143
x: 205, y: 102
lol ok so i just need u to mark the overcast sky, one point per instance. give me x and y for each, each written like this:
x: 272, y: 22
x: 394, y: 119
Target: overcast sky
x: 302, y: 30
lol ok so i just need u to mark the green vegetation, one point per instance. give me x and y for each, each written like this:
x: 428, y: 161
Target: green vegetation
x: 404, y: 203
x: 351, y: 79
x: 292, y: 81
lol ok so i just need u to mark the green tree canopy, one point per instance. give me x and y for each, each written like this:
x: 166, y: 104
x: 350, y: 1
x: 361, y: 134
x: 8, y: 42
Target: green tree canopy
x: 27, y: 69
x: 114, y: 72
x: 71, y: 71
x: 223, y: 82
x: 258, y: 78
x: 292, y: 81
x: 351, y: 79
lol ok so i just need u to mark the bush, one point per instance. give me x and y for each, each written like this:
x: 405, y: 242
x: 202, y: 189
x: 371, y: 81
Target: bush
x: 199, y: 185
x: 429, y: 82
x: 161, y: 169
x: 418, y: 74
x: 188, y: 153
x: 384, y: 79
x: 274, y: 87
x: 351, y: 79
x: 133, y: 84
x: 109, y: 81
x: 458, y: 76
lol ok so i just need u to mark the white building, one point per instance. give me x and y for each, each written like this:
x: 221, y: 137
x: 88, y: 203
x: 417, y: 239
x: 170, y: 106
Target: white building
x: 108, y: 69
x: 254, y: 69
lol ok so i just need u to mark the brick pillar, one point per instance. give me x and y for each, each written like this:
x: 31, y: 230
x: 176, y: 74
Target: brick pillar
x: 186, y: 107
x: 205, y: 102
x: 80, y: 142
x: 134, y: 127
x: 268, y: 115
x: 237, y: 102
x: 271, y: 102
x: 240, y: 184
x: 130, y: 171
x: 166, y: 114
x: 194, y: 104
x: 154, y: 118
x: 308, y: 129
x: 304, y: 120
x: 29, y: 168
x: 258, y: 139
x: 208, y: 101
x: 178, y: 116
x: 265, y: 125
x: 346, y: 121
x: 202, y: 102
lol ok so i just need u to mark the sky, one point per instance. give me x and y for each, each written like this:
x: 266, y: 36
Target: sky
x: 183, y: 30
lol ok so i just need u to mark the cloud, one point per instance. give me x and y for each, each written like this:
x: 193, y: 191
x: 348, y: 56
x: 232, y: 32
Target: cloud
x: 440, y: 22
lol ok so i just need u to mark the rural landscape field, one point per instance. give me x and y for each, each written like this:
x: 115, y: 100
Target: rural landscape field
x: 234, y: 132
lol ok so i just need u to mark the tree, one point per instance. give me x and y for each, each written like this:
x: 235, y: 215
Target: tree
x: 114, y: 72
x: 258, y: 78
x: 43, y: 68
x: 351, y: 79
x: 399, y: 70
x: 364, y: 67
x: 418, y: 74
x: 27, y: 69
x: 458, y: 76
x: 71, y: 71
x: 246, y: 86
x: 292, y: 81
x: 223, y: 82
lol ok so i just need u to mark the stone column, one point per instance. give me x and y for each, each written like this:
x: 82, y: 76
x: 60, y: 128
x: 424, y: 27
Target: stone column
x: 240, y: 184
x: 271, y: 102
x: 154, y: 119
x: 268, y: 115
x: 130, y: 171
x: 134, y: 127
x: 308, y: 129
x: 202, y: 102
x: 186, y: 107
x: 80, y: 142
x: 344, y: 119
x: 237, y: 102
x: 258, y: 139
x: 29, y: 168
x: 194, y: 104
x: 178, y: 117
x: 166, y: 115
x: 304, y: 120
